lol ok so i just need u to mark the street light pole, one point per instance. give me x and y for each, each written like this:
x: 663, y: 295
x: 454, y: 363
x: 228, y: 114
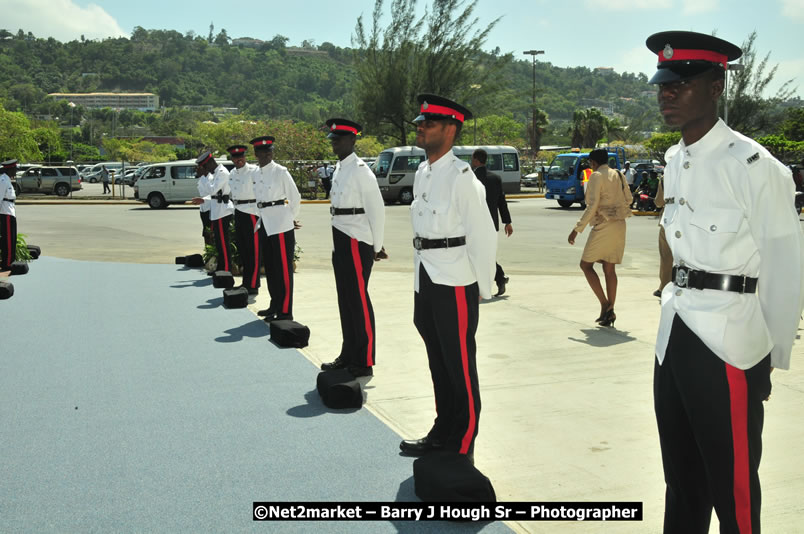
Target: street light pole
x: 733, y: 66
x: 72, y: 107
x: 533, y: 54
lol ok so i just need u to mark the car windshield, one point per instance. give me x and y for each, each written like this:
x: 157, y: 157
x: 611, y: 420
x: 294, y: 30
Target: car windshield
x: 562, y: 167
x: 382, y: 164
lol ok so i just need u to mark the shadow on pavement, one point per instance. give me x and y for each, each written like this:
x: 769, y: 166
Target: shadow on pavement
x: 604, y: 337
x: 315, y: 407
x: 254, y: 329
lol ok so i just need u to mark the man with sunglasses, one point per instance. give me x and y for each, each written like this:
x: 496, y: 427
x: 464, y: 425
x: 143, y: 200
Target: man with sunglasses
x: 454, y: 266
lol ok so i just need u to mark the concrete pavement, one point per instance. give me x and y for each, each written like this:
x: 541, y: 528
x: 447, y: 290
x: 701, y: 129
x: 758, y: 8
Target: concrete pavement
x: 567, y: 406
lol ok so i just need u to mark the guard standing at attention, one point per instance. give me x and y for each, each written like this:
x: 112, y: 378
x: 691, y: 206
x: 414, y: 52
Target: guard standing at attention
x: 245, y: 217
x: 732, y: 312
x: 278, y: 202
x: 358, y: 224
x: 8, y: 215
x: 216, y: 185
x: 454, y: 266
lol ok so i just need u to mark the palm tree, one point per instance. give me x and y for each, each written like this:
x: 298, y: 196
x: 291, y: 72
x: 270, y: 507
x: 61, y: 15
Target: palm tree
x: 536, y: 128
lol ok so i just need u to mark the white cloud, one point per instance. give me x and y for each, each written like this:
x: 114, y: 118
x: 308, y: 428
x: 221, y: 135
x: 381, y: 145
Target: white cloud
x: 627, y: 5
x: 60, y: 19
x: 635, y: 60
x: 793, y: 9
x: 696, y: 7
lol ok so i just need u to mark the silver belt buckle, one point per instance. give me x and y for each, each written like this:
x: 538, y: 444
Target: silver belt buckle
x: 417, y: 243
x: 682, y: 276
x: 332, y: 210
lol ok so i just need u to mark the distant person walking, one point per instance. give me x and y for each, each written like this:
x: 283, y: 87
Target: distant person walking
x: 498, y: 207
x: 325, y: 173
x: 105, y: 180
x: 629, y: 174
x: 608, y: 202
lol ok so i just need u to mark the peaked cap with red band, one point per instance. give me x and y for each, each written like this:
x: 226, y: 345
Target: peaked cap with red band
x: 684, y: 55
x: 265, y: 142
x: 434, y: 107
x: 343, y: 127
x: 237, y: 151
x: 9, y: 164
x: 203, y: 158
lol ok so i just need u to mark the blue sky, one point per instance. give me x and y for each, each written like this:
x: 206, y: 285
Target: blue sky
x: 591, y: 33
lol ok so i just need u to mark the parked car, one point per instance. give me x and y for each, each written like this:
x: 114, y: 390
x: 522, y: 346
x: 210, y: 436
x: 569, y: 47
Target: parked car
x: 48, y: 180
x: 94, y: 174
x: 168, y: 183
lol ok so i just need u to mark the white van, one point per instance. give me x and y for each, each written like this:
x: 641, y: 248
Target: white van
x: 168, y: 183
x: 396, y: 167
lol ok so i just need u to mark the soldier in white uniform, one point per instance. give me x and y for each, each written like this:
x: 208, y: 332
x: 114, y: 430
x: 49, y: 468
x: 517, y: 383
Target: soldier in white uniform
x: 731, y: 314
x: 358, y: 224
x: 245, y: 217
x: 216, y: 185
x: 456, y: 247
x: 8, y: 215
x: 278, y: 202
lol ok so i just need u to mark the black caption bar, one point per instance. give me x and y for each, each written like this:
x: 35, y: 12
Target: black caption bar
x: 421, y: 511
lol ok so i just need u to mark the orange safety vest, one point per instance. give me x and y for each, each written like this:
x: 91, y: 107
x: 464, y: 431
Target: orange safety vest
x: 586, y: 174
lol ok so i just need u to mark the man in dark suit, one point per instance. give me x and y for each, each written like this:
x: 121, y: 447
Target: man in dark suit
x: 495, y: 198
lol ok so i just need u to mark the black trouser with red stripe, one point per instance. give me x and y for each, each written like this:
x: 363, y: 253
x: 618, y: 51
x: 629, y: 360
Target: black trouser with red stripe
x: 277, y: 257
x: 248, y: 245
x: 446, y: 317
x: 710, y: 418
x: 206, y: 228
x: 220, y: 228
x: 8, y: 240
x: 352, y: 261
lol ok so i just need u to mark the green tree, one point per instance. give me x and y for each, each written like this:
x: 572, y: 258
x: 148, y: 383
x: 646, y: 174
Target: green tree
x: 17, y: 140
x: 782, y: 148
x: 793, y: 125
x: 750, y: 113
x: 495, y: 130
x: 588, y: 127
x: 536, y: 128
x: 368, y: 147
x: 658, y: 144
x: 437, y: 53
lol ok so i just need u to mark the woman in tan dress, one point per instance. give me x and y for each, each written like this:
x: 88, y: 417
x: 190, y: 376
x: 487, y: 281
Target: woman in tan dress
x: 608, y: 204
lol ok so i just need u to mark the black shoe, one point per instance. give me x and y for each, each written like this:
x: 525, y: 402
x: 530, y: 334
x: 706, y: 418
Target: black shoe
x: 501, y: 287
x: 266, y: 313
x: 357, y: 371
x: 283, y: 317
x: 419, y: 447
x: 609, y: 319
x: 210, y: 273
x: 657, y: 293
x: 338, y: 363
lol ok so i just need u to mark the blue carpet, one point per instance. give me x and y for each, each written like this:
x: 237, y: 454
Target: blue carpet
x: 132, y: 401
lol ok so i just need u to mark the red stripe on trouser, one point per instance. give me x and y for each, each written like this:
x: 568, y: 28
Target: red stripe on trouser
x: 9, y: 260
x: 463, y: 327
x: 223, y: 245
x: 738, y: 397
x: 256, y: 235
x: 285, y: 274
x: 361, y: 284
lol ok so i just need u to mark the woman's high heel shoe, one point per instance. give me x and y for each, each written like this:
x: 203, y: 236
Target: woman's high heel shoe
x: 603, y: 313
x: 609, y: 318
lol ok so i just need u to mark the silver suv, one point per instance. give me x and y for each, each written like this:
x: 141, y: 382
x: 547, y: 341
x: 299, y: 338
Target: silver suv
x: 48, y: 180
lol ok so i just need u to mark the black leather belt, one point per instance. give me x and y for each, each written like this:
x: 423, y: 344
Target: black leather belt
x: 221, y: 198
x: 686, y: 277
x: 252, y: 201
x: 8, y: 200
x: 272, y: 203
x: 346, y: 211
x: 421, y: 243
